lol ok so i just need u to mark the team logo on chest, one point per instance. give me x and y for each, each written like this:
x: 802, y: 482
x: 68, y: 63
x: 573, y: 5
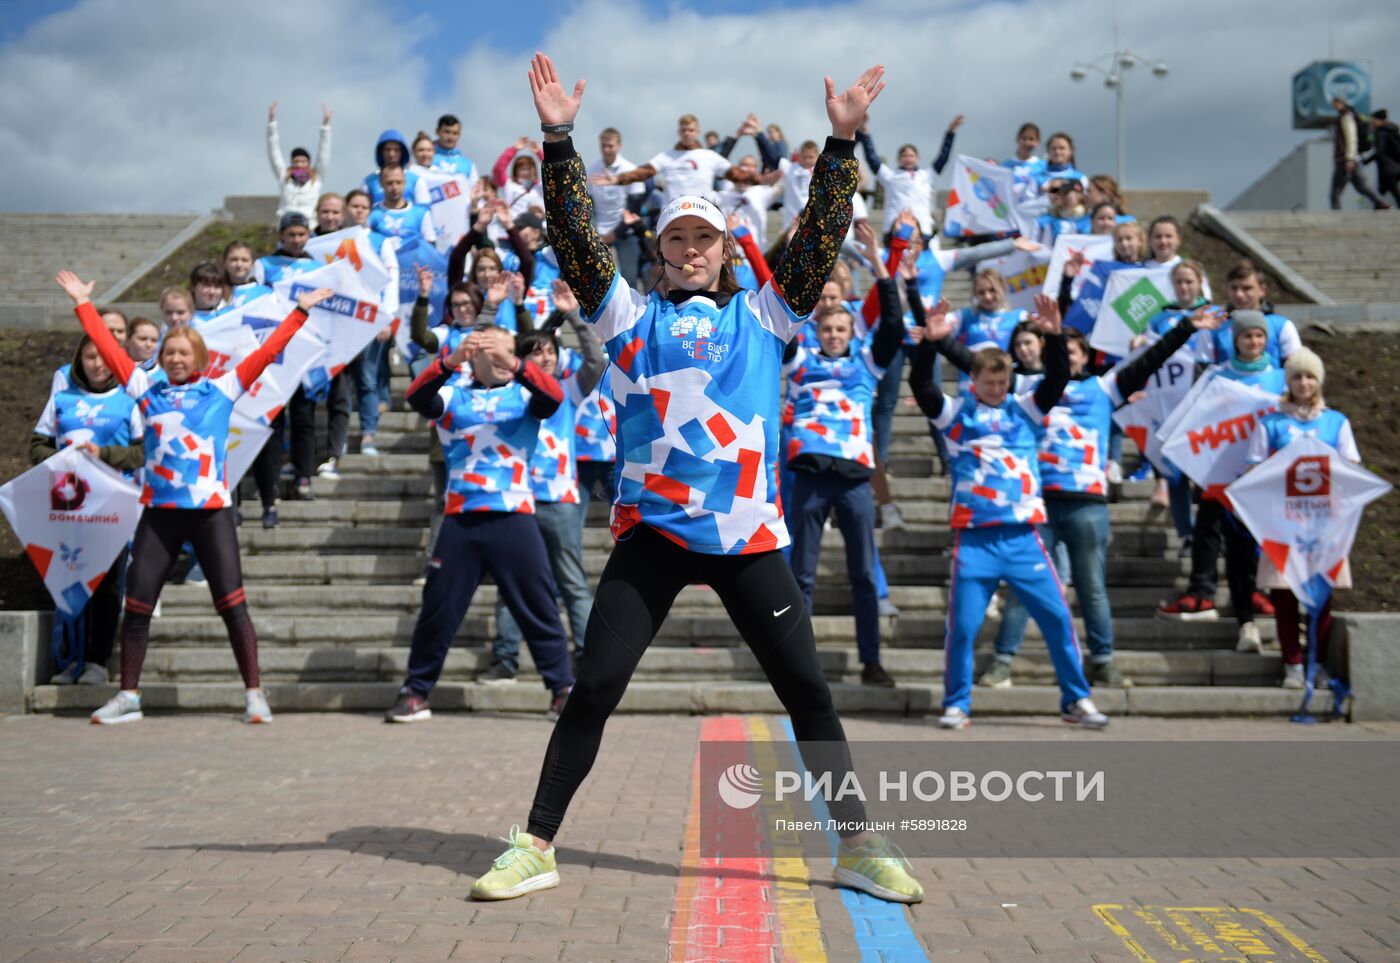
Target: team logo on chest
x: 695, y: 332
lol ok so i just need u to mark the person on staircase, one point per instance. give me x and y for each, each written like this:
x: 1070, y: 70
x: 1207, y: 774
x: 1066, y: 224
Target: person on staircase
x: 187, y: 421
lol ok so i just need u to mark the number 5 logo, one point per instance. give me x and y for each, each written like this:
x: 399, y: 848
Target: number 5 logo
x: 1309, y: 477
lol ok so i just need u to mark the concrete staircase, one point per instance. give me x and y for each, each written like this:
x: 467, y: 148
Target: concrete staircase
x: 332, y: 596
x: 104, y: 247
x: 1351, y: 257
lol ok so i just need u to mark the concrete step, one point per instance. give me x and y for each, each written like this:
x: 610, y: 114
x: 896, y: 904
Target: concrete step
x: 1128, y: 541
x: 688, y: 698
x: 833, y: 597
x: 912, y: 631
x: 342, y: 569
x: 662, y: 663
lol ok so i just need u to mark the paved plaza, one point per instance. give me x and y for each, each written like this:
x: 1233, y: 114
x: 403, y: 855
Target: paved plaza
x: 336, y: 837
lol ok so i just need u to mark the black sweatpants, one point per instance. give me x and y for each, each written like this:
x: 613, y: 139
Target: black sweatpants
x: 302, y: 414
x: 267, y: 467
x: 1216, y: 523
x: 104, y: 614
x: 640, y: 583
x: 212, y: 533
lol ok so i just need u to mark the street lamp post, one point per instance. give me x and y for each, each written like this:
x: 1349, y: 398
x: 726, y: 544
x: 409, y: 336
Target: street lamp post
x: 1114, y: 78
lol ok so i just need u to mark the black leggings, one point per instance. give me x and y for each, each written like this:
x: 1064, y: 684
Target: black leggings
x: 641, y: 581
x: 267, y: 467
x: 212, y: 533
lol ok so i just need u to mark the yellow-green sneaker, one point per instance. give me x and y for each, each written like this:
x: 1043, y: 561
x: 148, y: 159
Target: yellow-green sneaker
x: 878, y: 868
x: 519, y: 870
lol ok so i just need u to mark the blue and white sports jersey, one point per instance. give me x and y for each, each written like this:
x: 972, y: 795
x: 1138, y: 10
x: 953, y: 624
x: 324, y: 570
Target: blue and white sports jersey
x: 1027, y: 176
x: 994, y: 453
x: 831, y: 402
x: 539, y: 296
x: 247, y: 291
x: 271, y: 268
x: 404, y: 223
x: 1202, y: 346
x: 1074, y: 452
x: 554, y: 465
x: 595, y: 423
x: 453, y: 162
x: 75, y: 416
x: 186, y: 439
x: 488, y: 437
x: 1281, y: 428
x: 696, y: 389
x: 1283, y: 340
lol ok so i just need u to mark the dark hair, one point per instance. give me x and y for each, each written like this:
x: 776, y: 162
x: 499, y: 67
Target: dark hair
x: 389, y: 169
x: 358, y: 192
x: 138, y: 322
x: 1098, y: 207
x: 1025, y: 327
x: 528, y: 342
x: 1242, y: 269
x: 467, y: 288
x: 728, y: 282
x: 232, y: 246
x: 1028, y: 126
x: 1061, y: 135
x: 207, y: 273
x: 610, y: 132
x: 1079, y: 338
x: 1381, y: 114
x: 481, y: 254
x: 1164, y: 219
x: 447, y: 120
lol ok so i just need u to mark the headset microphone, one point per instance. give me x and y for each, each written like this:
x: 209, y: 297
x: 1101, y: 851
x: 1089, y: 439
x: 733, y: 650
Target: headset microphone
x: 679, y: 267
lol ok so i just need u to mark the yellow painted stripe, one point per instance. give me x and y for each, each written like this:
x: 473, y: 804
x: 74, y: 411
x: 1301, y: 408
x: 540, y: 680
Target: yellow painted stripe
x: 690, y: 873
x: 1102, y: 911
x: 799, y: 929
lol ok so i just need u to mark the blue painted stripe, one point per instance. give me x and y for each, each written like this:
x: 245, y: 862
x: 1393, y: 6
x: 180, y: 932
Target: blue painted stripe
x: 882, y: 930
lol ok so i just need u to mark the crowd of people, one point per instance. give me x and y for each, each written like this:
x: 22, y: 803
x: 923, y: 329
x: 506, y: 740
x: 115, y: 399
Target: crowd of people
x: 727, y: 392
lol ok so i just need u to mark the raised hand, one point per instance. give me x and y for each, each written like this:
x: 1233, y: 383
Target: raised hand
x: 865, y: 239
x: 272, y: 111
x: 309, y: 299
x: 564, y: 298
x: 325, y: 116
x: 553, y: 105
x: 515, y: 282
x: 425, y: 280
x: 500, y: 352
x: 74, y: 287
x: 1046, y: 318
x: 908, y: 267
x: 497, y: 290
x: 750, y: 126
x: 937, y: 324
x: 464, y: 352
x: 1208, y: 318
x: 847, y: 110
x: 955, y: 123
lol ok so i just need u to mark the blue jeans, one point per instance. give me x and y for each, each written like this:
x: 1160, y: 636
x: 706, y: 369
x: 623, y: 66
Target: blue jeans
x: 887, y: 397
x: 559, y: 524
x: 812, y: 498
x: 1180, y: 493
x: 371, y: 371
x: 1082, y: 528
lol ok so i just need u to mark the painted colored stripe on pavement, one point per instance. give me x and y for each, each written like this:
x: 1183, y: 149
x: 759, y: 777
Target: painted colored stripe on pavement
x: 882, y: 930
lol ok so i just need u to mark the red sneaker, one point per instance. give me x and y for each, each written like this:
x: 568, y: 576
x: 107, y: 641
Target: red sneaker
x: 1189, y: 608
x: 1261, y: 604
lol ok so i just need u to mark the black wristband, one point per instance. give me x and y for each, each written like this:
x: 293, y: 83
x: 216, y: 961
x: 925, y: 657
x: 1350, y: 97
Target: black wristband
x: 558, y: 128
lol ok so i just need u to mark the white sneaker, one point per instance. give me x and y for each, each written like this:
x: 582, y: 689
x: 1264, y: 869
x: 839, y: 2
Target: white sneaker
x: 1115, y: 473
x: 1294, y: 677
x: 93, y: 674
x: 328, y: 468
x: 1249, y: 639
x: 257, y: 710
x: 1083, y: 714
x: 953, y: 718
x: 125, y: 706
x: 888, y: 609
x: 890, y: 519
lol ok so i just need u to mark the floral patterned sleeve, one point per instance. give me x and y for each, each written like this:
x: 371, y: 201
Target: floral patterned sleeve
x: 585, y: 262
x: 821, y: 228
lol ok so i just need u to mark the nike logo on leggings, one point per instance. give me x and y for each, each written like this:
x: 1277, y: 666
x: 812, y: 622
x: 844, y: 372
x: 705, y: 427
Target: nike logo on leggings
x: 781, y: 611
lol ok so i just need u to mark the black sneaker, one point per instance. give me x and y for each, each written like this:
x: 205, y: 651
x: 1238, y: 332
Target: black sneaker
x: 874, y: 674
x: 556, y: 704
x: 498, y: 674
x: 269, y: 518
x: 410, y: 708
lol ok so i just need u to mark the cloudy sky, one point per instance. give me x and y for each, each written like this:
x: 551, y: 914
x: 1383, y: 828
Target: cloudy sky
x: 112, y: 105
